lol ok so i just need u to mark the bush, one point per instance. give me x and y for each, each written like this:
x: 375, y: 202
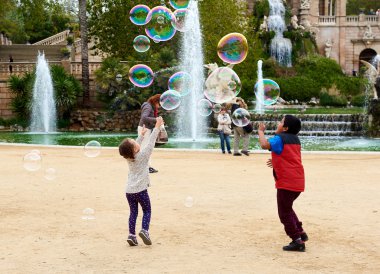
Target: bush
x: 330, y: 100
x: 298, y: 87
x: 358, y: 101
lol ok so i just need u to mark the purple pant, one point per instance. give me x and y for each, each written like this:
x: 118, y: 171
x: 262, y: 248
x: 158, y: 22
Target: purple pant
x: 134, y: 199
x: 285, y: 199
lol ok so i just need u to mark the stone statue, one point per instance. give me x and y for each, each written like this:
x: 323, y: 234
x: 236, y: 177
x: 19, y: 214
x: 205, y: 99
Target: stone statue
x: 328, y: 46
x: 305, y: 4
x: 368, y: 34
x: 264, y: 25
x: 294, y: 23
x: 374, y: 77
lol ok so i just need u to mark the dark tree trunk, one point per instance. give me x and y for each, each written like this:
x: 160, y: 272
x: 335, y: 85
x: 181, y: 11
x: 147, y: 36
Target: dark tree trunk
x: 84, y: 50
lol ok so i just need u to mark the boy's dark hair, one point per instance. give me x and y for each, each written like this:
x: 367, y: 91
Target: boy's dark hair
x: 127, y: 149
x: 293, y: 124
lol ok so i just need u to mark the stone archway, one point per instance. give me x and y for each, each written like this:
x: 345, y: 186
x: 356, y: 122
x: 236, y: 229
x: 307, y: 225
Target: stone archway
x: 367, y: 55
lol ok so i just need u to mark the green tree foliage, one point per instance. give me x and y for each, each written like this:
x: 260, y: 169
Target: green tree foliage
x: 22, y: 88
x: 11, y: 21
x: 354, y: 6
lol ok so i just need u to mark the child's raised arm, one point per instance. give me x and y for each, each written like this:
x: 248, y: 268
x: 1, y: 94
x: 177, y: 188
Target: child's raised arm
x: 153, y: 136
x: 263, y: 141
x: 140, y: 138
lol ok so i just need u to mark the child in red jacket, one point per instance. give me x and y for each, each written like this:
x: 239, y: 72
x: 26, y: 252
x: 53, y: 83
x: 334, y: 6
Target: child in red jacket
x: 289, y: 175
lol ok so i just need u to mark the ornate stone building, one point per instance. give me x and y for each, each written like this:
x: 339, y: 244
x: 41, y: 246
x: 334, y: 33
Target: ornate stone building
x: 345, y: 38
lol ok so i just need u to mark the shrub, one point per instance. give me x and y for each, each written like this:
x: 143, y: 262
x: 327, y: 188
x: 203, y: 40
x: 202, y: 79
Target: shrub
x: 358, y: 101
x: 21, y: 87
x: 298, y: 87
x: 330, y: 100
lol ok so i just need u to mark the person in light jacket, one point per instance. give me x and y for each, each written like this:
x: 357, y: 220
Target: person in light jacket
x: 224, y: 130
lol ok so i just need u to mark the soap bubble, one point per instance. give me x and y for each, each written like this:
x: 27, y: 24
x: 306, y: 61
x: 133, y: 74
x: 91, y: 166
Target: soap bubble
x: 170, y: 100
x: 92, y: 149
x: 160, y: 24
x: 241, y: 117
x: 180, y: 18
x: 138, y: 14
x: 179, y: 4
x: 141, y: 43
x: 88, y: 214
x: 50, y: 174
x: 189, y: 201
x: 181, y: 82
x: 141, y: 76
x: 156, y: 39
x: 204, y: 107
x: 217, y: 108
x: 233, y: 48
x: 36, y: 151
x: 271, y: 92
x: 219, y: 83
x: 32, y: 161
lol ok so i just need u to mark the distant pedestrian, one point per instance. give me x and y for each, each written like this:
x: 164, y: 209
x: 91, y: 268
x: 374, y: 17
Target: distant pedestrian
x: 10, y: 65
x: 224, y: 130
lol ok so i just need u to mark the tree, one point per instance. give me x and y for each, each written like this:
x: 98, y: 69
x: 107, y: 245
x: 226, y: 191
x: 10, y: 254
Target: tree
x: 354, y: 6
x: 84, y: 52
x: 11, y: 21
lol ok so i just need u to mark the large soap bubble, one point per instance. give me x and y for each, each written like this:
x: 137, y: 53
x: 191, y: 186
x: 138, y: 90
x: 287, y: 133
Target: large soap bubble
x: 92, y: 149
x: 179, y: 4
x: 32, y: 161
x: 181, y: 82
x: 141, y: 43
x: 181, y: 16
x: 233, y: 48
x: 241, y: 117
x: 222, y: 85
x: 138, y: 14
x: 159, y: 24
x: 271, y: 92
x: 170, y: 100
x: 141, y: 75
x: 204, y: 107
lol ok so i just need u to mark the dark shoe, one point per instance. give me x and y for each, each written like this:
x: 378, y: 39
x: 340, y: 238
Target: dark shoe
x: 304, y: 237
x: 145, y: 237
x: 294, y: 246
x: 237, y: 154
x: 229, y: 152
x: 245, y: 152
x: 152, y: 170
x: 132, y: 240
x: 223, y: 152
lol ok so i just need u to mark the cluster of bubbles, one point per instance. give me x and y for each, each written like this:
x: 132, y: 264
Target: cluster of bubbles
x: 271, y: 92
x: 32, y: 162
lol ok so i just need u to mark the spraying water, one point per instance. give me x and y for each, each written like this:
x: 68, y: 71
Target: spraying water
x: 280, y: 48
x: 190, y: 123
x: 43, y: 106
x: 259, y: 108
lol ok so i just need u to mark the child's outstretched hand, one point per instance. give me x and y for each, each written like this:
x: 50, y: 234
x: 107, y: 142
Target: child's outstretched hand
x: 144, y: 130
x: 159, y: 122
x: 269, y: 163
x: 261, y: 127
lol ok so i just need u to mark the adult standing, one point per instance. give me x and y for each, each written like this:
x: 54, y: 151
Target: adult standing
x: 239, y: 132
x: 149, y: 113
x: 224, y: 130
x: 10, y: 64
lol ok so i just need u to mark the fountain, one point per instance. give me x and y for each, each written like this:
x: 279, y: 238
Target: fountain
x: 190, y: 123
x: 259, y: 108
x: 280, y: 48
x: 44, y: 115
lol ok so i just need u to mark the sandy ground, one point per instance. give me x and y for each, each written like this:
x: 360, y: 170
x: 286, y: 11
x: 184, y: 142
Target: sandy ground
x: 232, y: 226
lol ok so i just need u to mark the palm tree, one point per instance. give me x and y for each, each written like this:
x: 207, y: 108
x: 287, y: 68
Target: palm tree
x: 84, y: 49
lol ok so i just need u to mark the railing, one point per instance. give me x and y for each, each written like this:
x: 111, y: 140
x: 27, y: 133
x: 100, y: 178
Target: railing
x: 372, y: 18
x: 327, y: 20
x: 76, y: 67
x: 18, y: 68
x: 55, y: 39
x: 352, y: 19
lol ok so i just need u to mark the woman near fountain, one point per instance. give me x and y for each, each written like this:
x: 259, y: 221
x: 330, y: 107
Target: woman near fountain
x: 239, y: 132
x: 224, y: 130
x: 149, y: 112
x: 289, y: 175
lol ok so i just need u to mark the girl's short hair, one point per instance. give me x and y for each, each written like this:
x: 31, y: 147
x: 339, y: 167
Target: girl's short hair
x: 127, y: 149
x: 155, y: 99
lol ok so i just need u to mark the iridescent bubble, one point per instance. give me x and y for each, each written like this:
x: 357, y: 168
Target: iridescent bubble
x: 189, y: 201
x: 141, y: 43
x: 88, y: 214
x: 241, y: 117
x: 32, y: 161
x: 181, y: 82
x: 170, y: 100
x: 179, y: 4
x: 204, y: 107
x: 180, y: 17
x: 50, y: 174
x: 92, y: 149
x: 217, y: 108
x: 271, y: 92
x: 218, y: 85
x: 160, y: 24
x: 138, y: 14
x: 141, y: 76
x: 36, y: 151
x: 233, y: 48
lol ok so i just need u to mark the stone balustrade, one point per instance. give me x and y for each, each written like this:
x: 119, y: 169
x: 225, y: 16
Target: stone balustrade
x: 76, y: 67
x: 351, y: 20
x: 327, y: 20
x: 19, y: 68
x: 55, y: 39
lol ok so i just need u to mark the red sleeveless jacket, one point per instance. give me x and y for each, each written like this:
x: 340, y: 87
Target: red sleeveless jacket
x: 287, y: 167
